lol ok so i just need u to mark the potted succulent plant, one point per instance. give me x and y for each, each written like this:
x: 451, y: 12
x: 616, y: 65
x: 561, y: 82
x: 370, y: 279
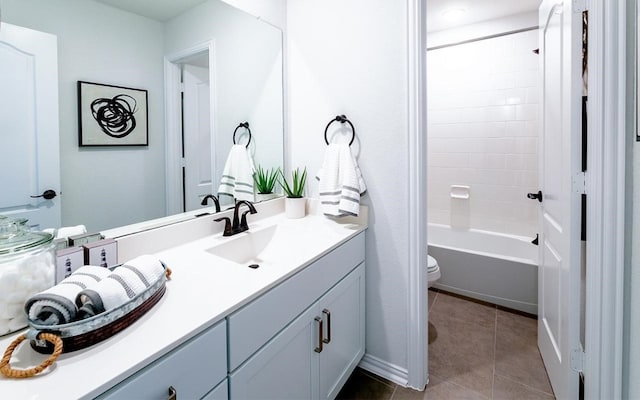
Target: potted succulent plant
x: 265, y: 180
x: 295, y: 203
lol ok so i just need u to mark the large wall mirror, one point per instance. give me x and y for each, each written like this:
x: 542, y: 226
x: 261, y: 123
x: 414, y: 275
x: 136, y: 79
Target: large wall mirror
x: 231, y: 61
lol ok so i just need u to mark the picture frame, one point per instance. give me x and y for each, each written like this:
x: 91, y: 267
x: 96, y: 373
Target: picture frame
x: 110, y: 115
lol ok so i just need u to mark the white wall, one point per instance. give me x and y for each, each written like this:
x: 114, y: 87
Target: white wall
x: 109, y: 186
x: 272, y: 11
x: 247, y: 81
x: 482, y: 132
x: 483, y: 29
x: 341, y: 62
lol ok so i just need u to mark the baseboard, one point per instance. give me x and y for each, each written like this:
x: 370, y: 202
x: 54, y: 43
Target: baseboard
x: 385, y: 369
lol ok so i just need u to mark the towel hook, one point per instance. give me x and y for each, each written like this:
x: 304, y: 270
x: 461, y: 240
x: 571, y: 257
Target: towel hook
x: 242, y: 125
x: 341, y: 119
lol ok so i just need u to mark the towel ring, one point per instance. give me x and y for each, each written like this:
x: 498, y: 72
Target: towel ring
x: 341, y: 119
x: 242, y: 125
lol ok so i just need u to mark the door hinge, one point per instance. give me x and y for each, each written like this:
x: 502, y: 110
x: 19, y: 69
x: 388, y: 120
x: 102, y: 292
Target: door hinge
x: 181, y: 87
x: 577, y: 360
x: 183, y: 163
x: 579, y: 183
x: 579, y: 6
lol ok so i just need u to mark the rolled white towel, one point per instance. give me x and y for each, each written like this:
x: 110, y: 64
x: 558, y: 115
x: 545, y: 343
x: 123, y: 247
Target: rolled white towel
x: 56, y: 305
x: 67, y: 231
x: 123, y: 284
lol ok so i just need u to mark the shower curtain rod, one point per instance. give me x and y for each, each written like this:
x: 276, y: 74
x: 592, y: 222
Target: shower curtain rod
x: 442, y: 46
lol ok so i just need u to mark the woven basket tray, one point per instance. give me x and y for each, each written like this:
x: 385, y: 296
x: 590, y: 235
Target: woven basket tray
x: 85, y: 333
x: 65, y: 338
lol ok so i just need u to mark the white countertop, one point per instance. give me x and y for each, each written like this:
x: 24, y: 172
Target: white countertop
x: 203, y: 290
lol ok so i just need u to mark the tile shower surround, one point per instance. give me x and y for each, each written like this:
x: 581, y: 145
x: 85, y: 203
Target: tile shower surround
x: 483, y: 132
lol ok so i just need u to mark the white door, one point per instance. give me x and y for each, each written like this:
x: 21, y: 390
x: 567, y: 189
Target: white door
x: 30, y: 160
x: 560, y: 166
x: 198, y: 163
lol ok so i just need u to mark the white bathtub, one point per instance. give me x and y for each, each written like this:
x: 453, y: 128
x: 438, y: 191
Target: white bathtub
x: 494, y: 267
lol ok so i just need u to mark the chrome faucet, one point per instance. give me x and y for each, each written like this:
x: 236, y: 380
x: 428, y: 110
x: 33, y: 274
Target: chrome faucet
x: 239, y: 223
x: 215, y: 201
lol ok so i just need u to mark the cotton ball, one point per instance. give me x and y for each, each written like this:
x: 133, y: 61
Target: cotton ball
x: 16, y: 296
x: 8, y: 280
x: 24, y: 284
x: 49, y: 275
x: 18, y: 322
x: 4, y: 327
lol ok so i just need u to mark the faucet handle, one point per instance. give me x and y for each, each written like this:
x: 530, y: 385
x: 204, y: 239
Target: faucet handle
x: 228, y: 231
x: 244, y: 226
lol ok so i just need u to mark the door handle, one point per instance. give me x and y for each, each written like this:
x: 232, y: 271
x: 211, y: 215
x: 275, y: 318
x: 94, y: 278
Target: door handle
x: 535, y: 241
x: 47, y: 194
x: 173, y: 393
x: 320, y: 330
x: 534, y: 196
x: 328, y: 314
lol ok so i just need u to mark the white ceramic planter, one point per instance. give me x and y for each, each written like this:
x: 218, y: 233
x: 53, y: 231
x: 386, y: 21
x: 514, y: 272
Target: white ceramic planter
x: 295, y: 207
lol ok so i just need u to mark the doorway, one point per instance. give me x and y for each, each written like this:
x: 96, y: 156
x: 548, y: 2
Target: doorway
x: 190, y: 128
x: 197, y: 172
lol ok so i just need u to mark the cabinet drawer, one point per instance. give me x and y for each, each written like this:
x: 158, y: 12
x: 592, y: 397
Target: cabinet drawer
x: 192, y: 369
x: 252, y: 326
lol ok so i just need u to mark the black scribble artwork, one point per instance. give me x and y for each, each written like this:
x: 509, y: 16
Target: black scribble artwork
x: 115, y: 116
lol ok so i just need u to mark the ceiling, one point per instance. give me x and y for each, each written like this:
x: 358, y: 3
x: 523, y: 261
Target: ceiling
x: 476, y: 11
x: 160, y: 10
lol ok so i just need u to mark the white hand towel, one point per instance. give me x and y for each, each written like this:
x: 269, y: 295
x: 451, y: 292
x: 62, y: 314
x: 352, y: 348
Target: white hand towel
x: 56, y: 305
x: 341, y: 183
x: 67, y: 231
x: 123, y: 284
x: 237, y: 177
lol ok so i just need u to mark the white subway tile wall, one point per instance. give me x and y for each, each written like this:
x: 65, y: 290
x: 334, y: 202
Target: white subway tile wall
x: 483, y: 132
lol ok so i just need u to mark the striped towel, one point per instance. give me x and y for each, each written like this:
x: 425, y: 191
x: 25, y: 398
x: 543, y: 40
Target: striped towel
x: 341, y: 184
x: 120, y: 286
x: 56, y: 305
x: 237, y: 177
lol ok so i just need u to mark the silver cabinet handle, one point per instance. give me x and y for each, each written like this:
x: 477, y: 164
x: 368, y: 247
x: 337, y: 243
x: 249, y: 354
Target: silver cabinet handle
x: 320, y: 332
x: 328, y: 314
x: 173, y: 393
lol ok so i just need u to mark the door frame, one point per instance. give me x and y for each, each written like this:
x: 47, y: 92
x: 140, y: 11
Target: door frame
x: 173, y: 120
x: 417, y: 296
x: 605, y: 187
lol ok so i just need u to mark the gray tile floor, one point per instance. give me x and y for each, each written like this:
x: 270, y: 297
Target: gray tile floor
x: 476, y: 351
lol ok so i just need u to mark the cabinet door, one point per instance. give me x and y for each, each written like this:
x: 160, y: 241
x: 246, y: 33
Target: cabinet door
x: 286, y: 368
x: 343, y: 311
x: 221, y: 392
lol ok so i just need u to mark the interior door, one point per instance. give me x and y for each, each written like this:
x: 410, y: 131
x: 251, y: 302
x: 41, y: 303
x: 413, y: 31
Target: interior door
x: 198, y: 172
x: 30, y: 161
x: 560, y: 174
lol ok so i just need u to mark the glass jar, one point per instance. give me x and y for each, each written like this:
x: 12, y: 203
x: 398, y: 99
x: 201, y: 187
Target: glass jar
x: 27, y: 266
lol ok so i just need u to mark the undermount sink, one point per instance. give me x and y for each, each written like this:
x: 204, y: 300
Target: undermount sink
x: 247, y: 248
x: 282, y: 243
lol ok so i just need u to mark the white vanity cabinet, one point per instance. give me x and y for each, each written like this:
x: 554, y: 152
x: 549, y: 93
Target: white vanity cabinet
x: 323, y: 337
x: 196, y: 369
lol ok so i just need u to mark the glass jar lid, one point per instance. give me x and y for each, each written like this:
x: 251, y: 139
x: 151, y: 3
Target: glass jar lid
x: 15, y: 236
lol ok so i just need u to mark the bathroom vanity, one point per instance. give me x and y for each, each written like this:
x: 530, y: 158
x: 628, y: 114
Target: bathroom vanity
x: 291, y: 328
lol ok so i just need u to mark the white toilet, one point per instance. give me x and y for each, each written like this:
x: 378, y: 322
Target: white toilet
x: 433, y: 270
